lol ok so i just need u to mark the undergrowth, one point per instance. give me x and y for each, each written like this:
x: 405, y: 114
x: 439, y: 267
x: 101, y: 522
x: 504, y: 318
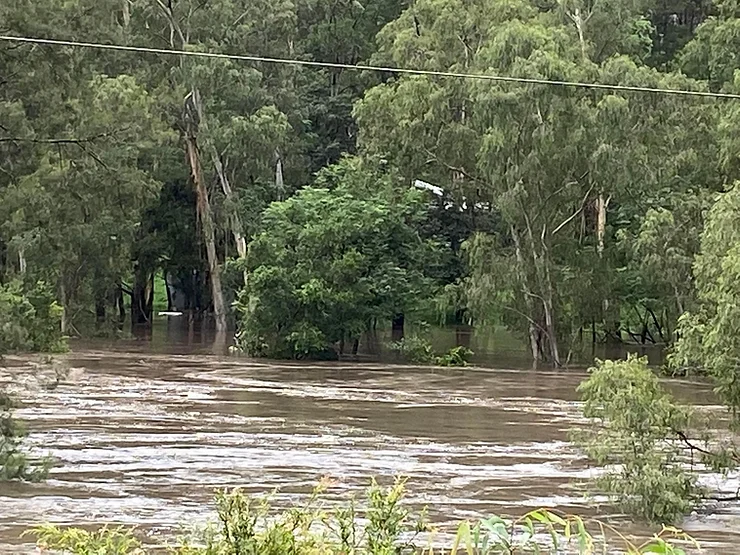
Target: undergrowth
x: 417, y: 350
x: 382, y: 526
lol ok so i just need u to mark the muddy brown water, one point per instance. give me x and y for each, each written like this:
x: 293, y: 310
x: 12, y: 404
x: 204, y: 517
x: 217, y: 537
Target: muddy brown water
x: 144, y: 437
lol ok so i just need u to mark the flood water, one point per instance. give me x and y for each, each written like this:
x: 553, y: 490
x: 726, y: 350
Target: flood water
x: 143, y: 433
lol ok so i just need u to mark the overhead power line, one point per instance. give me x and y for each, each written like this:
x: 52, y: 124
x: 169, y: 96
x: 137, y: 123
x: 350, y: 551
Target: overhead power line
x: 363, y: 67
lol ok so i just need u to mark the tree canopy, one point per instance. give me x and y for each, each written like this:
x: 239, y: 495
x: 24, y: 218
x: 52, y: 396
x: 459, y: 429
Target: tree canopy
x: 333, y: 260
x: 562, y: 213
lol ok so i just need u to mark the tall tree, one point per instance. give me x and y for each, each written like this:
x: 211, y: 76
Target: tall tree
x: 550, y: 161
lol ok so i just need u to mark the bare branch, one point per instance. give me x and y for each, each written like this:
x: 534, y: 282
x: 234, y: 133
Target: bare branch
x: 687, y: 441
x: 520, y: 313
x: 461, y: 171
x: 576, y: 213
x: 92, y: 154
x: 174, y: 25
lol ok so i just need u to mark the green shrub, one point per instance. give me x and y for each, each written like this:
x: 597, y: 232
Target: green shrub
x: 417, y: 350
x: 14, y: 464
x: 30, y: 319
x: 638, y: 432
x: 566, y: 534
x: 248, y: 526
x: 414, y: 349
x: 457, y: 356
x: 105, y: 541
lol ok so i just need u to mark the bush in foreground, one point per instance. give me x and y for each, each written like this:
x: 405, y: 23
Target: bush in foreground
x: 248, y: 526
x: 647, y: 442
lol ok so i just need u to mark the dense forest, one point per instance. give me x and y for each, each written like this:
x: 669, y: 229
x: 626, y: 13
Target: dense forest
x: 307, y: 204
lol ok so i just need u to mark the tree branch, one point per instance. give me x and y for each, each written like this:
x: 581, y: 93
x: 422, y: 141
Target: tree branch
x: 126, y: 289
x: 520, y: 313
x: 174, y: 24
x: 93, y: 155
x: 461, y: 171
x: 61, y: 141
x: 576, y: 213
x: 687, y: 441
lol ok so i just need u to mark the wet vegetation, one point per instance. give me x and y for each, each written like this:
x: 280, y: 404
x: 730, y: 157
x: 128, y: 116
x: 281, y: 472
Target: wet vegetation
x: 640, y: 433
x: 248, y: 526
x: 14, y: 462
x: 30, y: 319
x: 417, y: 350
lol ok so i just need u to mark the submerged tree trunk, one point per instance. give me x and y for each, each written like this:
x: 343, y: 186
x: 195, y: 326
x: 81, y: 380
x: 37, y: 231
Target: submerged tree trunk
x: 142, y: 298
x: 545, y: 289
x: 170, y: 301
x: 549, y: 295
x: 65, y: 308
x: 192, y: 115
x: 610, y: 308
x: 100, y: 302
x: 118, y: 302
x: 397, y: 327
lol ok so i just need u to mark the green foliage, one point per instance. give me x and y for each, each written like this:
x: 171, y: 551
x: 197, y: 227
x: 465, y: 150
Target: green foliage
x: 30, y: 319
x: 14, y: 463
x: 711, y: 55
x: 388, y: 520
x: 456, y: 356
x: 560, y: 208
x: 76, y: 541
x: 637, y: 432
x: 330, y: 261
x: 710, y: 337
x: 541, y: 161
x: 414, y: 349
x: 418, y: 350
x: 248, y: 526
x: 567, y: 534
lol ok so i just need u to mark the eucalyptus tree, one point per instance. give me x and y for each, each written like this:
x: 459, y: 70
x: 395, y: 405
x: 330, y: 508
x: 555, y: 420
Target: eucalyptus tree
x: 80, y: 149
x: 712, y: 53
x: 233, y: 139
x: 551, y: 162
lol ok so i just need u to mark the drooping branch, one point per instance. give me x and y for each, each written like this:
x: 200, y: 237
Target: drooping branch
x: 62, y: 140
x: 733, y: 455
x: 527, y: 318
